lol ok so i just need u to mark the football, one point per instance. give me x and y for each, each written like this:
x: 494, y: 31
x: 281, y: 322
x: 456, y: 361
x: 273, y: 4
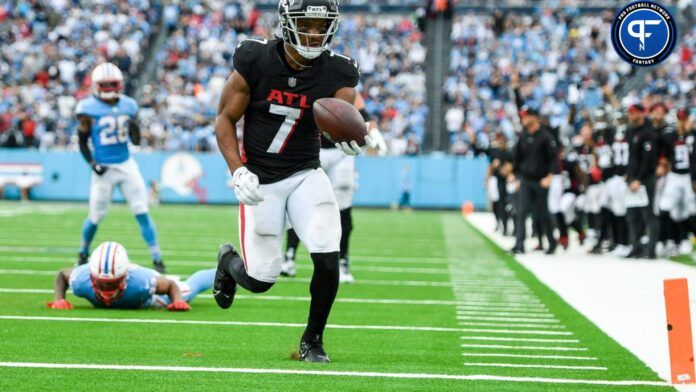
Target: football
x: 339, y: 121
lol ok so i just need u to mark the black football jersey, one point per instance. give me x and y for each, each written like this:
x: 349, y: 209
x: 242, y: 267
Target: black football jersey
x: 602, y: 149
x: 586, y: 160
x: 619, y: 150
x: 280, y: 135
x: 677, y: 150
x: 571, y: 182
x: 503, y: 155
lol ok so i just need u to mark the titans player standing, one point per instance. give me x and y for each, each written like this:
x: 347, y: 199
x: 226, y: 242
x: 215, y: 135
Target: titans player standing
x: 109, y: 118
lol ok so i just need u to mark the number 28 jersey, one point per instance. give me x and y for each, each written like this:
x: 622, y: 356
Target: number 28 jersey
x: 280, y: 135
x: 109, y: 127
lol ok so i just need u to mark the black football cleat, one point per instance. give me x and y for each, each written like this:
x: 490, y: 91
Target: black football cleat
x: 224, y: 286
x: 82, y: 258
x: 312, y: 350
x: 159, y: 266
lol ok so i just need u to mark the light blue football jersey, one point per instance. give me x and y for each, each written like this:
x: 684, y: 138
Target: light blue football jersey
x: 109, y: 127
x: 140, y: 288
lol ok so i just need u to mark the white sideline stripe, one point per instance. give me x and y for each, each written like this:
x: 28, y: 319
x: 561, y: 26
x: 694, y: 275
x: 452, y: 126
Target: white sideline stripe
x: 283, y: 298
x: 431, y: 376
x: 520, y: 339
x: 504, y: 314
x: 515, y: 325
x: 511, y: 319
x: 514, y: 365
x: 270, y: 324
x: 529, y: 356
x: 506, y: 347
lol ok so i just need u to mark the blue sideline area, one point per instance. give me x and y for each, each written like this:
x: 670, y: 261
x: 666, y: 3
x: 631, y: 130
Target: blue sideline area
x: 435, y: 182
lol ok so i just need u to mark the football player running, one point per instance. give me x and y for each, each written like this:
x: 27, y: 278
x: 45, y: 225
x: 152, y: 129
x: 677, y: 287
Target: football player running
x: 110, y: 280
x: 278, y: 174
x: 109, y: 117
x: 341, y: 171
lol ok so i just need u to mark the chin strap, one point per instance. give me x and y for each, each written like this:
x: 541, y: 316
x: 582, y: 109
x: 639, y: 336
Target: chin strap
x: 293, y: 59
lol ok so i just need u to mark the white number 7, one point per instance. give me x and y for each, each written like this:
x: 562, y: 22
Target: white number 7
x: 292, y: 117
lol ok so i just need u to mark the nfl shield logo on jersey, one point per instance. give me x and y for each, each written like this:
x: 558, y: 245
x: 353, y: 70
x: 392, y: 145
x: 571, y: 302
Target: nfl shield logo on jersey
x: 292, y: 82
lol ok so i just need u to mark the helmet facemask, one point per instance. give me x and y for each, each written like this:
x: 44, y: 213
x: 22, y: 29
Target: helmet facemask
x: 301, y: 41
x: 108, y: 290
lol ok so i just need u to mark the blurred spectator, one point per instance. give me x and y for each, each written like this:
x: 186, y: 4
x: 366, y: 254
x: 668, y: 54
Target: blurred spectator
x: 47, y: 50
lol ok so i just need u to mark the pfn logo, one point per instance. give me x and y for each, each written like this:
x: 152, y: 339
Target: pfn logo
x: 644, y: 33
x: 641, y: 34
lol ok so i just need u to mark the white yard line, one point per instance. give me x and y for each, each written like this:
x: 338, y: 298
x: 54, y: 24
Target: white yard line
x: 501, y: 308
x: 516, y: 305
x: 520, y: 339
x: 373, y: 282
x: 272, y: 324
x: 26, y: 272
x: 503, y: 314
x: 539, y: 366
x: 430, y: 376
x: 510, y: 319
x: 501, y: 355
x: 515, y: 325
x: 532, y: 348
x: 380, y: 301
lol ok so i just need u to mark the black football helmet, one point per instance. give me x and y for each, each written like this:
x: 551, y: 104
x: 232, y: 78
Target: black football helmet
x: 290, y: 11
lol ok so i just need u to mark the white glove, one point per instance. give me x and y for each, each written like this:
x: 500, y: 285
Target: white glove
x: 246, y: 186
x: 351, y: 149
x: 376, y: 141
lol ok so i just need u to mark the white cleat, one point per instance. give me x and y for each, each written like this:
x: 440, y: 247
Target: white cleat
x: 685, y: 247
x: 288, y: 268
x: 344, y: 275
x: 622, y: 250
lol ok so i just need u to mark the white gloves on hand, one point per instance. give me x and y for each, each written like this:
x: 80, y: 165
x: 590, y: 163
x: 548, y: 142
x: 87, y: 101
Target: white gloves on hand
x: 246, y: 186
x: 351, y: 149
x: 378, y: 142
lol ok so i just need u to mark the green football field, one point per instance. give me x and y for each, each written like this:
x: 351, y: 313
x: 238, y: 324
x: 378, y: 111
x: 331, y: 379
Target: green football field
x: 435, y: 306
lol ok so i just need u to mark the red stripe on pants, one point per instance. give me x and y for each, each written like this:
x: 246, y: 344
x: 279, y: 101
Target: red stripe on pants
x: 241, y: 217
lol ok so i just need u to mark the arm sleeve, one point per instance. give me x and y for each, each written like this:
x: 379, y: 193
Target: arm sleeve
x: 550, y: 155
x: 517, y: 156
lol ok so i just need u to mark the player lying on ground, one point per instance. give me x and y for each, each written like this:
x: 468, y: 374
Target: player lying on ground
x: 109, y: 280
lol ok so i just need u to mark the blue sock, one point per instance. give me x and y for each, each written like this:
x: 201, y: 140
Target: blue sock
x: 199, y: 282
x: 89, y: 229
x: 149, y: 233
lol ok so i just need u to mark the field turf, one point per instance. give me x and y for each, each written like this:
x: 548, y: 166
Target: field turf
x: 435, y: 306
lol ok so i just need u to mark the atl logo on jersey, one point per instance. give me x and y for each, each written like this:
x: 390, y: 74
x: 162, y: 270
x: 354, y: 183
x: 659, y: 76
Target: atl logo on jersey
x: 288, y: 99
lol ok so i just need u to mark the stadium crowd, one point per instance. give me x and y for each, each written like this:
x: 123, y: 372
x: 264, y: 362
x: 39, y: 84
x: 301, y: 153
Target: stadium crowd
x: 194, y: 63
x: 563, y: 59
x: 47, y: 51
